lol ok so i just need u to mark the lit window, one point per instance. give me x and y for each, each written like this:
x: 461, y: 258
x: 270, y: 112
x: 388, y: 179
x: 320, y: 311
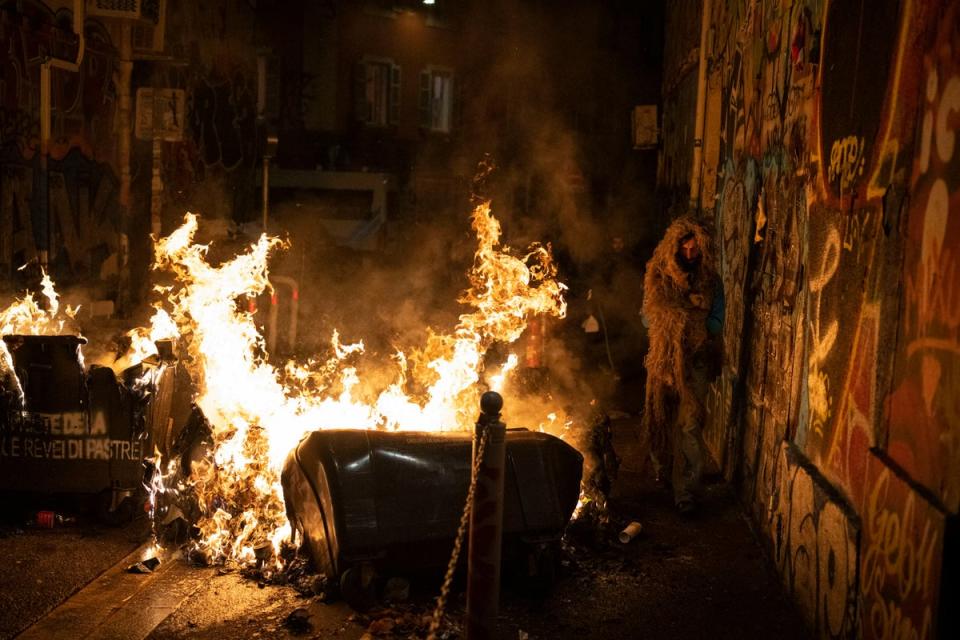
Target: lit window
x: 436, y: 99
x: 377, y: 92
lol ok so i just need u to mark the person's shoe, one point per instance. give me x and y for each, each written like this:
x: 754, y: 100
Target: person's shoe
x: 686, y: 507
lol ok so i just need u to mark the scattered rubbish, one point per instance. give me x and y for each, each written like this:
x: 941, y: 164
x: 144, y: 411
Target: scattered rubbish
x: 590, y: 325
x: 382, y: 626
x: 630, y: 532
x: 403, y: 621
x: 50, y: 519
x: 397, y: 590
x: 144, y: 566
x: 592, y: 523
x: 298, y: 621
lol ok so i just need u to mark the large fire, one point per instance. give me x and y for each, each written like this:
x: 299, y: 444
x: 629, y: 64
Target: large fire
x: 258, y: 412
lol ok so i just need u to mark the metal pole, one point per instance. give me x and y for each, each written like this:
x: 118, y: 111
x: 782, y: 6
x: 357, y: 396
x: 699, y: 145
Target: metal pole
x: 44, y: 194
x: 486, y: 523
x: 156, y: 179
x: 124, y: 126
x: 266, y: 190
x: 697, y: 169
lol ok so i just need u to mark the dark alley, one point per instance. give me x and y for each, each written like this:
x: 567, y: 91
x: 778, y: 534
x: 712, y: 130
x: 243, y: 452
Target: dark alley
x: 506, y: 319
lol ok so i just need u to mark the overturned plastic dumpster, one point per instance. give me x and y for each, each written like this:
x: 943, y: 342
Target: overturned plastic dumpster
x: 64, y: 429
x: 394, y: 499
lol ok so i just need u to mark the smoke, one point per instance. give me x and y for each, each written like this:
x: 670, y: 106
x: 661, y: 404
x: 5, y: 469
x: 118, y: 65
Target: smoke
x: 531, y: 107
x: 549, y: 105
x: 550, y: 109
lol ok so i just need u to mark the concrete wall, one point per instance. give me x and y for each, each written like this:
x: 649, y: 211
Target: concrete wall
x: 837, y: 204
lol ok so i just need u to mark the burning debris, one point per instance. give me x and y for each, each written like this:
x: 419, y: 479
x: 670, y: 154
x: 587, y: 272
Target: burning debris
x: 257, y: 412
x: 601, y: 464
x: 216, y: 479
x: 33, y: 316
x: 68, y: 425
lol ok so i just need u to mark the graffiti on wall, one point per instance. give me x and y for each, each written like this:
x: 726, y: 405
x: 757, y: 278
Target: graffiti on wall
x: 839, y: 147
x: 81, y: 227
x: 924, y: 429
x: 859, y: 124
x: 844, y: 312
x: 823, y: 331
x: 737, y: 23
x: 814, y: 541
x: 777, y: 325
x: 737, y: 201
x: 83, y: 103
x: 853, y: 101
x: 210, y: 169
x: 901, y: 558
x: 786, y: 211
x: 846, y: 162
x: 791, y: 42
x: 222, y: 119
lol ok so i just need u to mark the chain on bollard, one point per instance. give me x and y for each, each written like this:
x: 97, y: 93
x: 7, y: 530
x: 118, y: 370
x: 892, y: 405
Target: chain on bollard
x: 458, y: 542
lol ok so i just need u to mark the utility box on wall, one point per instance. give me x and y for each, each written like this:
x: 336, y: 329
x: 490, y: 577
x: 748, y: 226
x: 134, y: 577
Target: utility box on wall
x: 148, y: 17
x: 644, y: 128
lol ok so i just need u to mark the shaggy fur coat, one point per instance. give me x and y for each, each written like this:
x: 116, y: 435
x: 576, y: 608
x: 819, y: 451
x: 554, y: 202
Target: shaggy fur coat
x: 676, y: 302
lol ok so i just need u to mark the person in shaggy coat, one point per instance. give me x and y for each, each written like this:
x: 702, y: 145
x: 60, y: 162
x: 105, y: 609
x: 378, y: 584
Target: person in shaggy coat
x: 683, y: 311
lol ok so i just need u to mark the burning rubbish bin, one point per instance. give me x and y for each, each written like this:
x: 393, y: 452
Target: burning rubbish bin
x: 66, y: 430
x: 394, y: 499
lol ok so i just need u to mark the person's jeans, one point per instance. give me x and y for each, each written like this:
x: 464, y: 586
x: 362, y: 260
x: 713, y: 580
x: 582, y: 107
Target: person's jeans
x: 688, y: 437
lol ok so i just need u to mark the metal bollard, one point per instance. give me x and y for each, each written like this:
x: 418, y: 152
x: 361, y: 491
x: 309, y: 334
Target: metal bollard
x: 486, y: 524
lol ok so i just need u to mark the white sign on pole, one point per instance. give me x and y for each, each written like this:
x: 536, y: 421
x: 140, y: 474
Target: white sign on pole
x: 171, y: 109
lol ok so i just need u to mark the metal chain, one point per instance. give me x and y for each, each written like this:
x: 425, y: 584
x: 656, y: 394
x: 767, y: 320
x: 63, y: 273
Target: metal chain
x: 458, y: 542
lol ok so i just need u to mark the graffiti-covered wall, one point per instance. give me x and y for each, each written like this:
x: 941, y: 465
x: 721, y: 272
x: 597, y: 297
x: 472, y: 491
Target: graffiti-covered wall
x: 681, y: 55
x: 837, y: 211
x: 73, y: 211
x: 80, y: 226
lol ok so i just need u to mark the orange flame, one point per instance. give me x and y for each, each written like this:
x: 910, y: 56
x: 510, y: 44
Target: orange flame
x: 257, y: 412
x: 29, y: 317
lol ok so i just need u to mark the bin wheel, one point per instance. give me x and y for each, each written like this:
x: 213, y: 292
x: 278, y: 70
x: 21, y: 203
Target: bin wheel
x: 121, y: 515
x: 357, y: 586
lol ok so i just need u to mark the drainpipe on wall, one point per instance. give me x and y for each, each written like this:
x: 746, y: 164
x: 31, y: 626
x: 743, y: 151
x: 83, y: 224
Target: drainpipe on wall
x: 123, y: 159
x: 695, y: 177
x: 45, y: 114
x: 273, y: 320
x: 156, y: 179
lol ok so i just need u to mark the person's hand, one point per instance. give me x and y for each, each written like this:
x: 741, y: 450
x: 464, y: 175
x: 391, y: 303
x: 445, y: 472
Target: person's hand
x: 699, y: 300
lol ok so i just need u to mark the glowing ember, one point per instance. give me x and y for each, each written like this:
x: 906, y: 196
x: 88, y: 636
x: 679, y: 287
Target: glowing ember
x: 257, y: 413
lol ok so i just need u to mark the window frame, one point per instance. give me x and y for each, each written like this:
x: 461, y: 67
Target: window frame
x: 426, y: 98
x: 391, y: 117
